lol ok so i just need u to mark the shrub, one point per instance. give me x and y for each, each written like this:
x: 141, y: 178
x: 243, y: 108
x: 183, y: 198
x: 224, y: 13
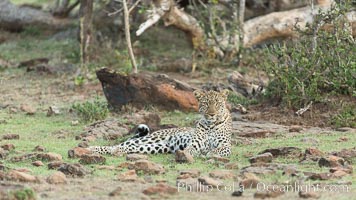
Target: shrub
x: 90, y: 111
x: 320, y: 62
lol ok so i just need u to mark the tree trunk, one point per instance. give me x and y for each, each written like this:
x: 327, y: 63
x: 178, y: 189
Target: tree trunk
x: 85, y: 12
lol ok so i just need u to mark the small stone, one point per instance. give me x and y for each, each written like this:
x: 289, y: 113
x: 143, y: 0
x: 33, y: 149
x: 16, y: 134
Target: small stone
x: 106, y: 167
x: 284, y: 151
x: 147, y: 167
x: 75, y: 170
x: 348, y: 169
x: 192, y: 185
x: 210, y: 181
x: 269, y: 193
x: 320, y: 176
x: 262, y: 158
x: 295, y: 128
x: 222, y: 174
x: 339, y: 174
x: 21, y: 176
x: 8, y: 147
x: 314, y: 151
x: 29, y: 110
x: 92, y: 159
x: 343, y: 139
x: 55, y: 164
x: 231, y: 165
x: 345, y: 129
x: 134, y: 157
x: 128, y: 176
x: 39, y: 148
x: 221, y: 159
x: 249, y: 183
x: 49, y: 156
x: 83, y: 144
x: 237, y: 193
x: 11, y: 136
x: 115, y: 192
x: 75, y: 123
x: 331, y: 161
x: 90, y: 138
x: 183, y: 157
x: 194, y: 173
x: 307, y: 195
x: 37, y: 163
x: 57, y: 178
x: 3, y: 153
x: 289, y: 171
x: 78, y: 152
x: 160, y: 188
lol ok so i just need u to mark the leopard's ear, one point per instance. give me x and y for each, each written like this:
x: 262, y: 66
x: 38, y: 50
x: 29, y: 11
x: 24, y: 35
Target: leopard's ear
x: 225, y: 93
x: 198, y: 94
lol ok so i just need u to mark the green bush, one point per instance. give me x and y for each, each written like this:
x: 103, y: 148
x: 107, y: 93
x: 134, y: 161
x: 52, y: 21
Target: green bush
x: 318, y: 63
x: 345, y: 118
x: 90, y: 111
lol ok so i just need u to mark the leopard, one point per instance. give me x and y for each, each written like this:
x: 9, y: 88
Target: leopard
x: 211, y: 135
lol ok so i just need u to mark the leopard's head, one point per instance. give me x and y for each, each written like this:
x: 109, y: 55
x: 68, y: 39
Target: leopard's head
x: 212, y: 104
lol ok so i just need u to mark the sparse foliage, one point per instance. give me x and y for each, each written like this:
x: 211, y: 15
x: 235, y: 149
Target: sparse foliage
x: 90, y: 111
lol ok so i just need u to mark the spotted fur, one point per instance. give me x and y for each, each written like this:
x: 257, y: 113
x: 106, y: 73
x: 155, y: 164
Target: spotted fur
x: 211, y: 135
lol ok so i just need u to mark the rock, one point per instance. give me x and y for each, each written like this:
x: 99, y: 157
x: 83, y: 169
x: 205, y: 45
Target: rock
x: 310, y: 194
x: 259, y: 170
x: 75, y: 170
x: 183, y: 157
x: 222, y: 174
x: 331, y: 161
x: 250, y: 181
x: 160, y: 188
x: 147, y: 167
x: 39, y: 148
x: 106, y: 167
x: 320, y: 176
x: 49, y: 156
x: 83, y: 144
x: 289, y: 171
x: 78, y: 152
x: 314, y: 151
x: 134, y: 157
x: 115, y: 192
x: 192, y: 185
x: 284, y: 151
x: 57, y: 178
x: 342, y: 139
x: 128, y: 176
x: 27, y: 156
x: 221, y: 159
x: 262, y: 158
x: 29, y: 110
x: 11, y: 136
x: 272, y: 193
x: 231, y: 165
x: 21, y: 176
x: 3, y: 154
x: 55, y: 164
x: 346, y: 153
x: 90, y: 138
x: 92, y: 159
x: 8, y: 147
x: 210, y: 181
x: 345, y: 129
x: 237, y: 193
x: 37, y: 163
x: 295, y: 128
x: 74, y: 123
x: 53, y: 110
x: 194, y: 173
x: 348, y: 169
x: 339, y: 173
x: 257, y: 134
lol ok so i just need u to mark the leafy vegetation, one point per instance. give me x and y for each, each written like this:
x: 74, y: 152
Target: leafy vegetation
x: 90, y: 111
x: 318, y: 63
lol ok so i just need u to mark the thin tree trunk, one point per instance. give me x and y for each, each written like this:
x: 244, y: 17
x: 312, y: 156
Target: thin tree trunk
x: 128, y: 37
x: 86, y: 14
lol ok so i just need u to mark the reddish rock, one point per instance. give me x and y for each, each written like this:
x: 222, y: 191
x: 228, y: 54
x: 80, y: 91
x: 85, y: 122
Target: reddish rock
x: 37, y: 163
x: 320, y: 176
x: 257, y: 134
x: 346, y: 153
x: 106, y: 167
x: 8, y: 147
x: 262, y: 158
x: 49, y: 156
x: 39, y: 148
x: 313, y: 151
x: 160, y: 188
x: 194, y: 173
x: 331, y: 161
x: 249, y: 183
x: 289, y: 171
x: 221, y: 159
x: 339, y: 174
x: 210, y: 181
x: 343, y: 139
x: 74, y: 170
x: 192, y: 185
x: 284, y: 151
x: 134, y: 157
x: 183, y: 157
x: 115, y: 192
x: 231, y: 165
x: 272, y: 193
x: 29, y: 110
x: 348, y: 169
x: 55, y: 164
x: 21, y: 176
x: 147, y: 167
x: 309, y: 195
x: 11, y: 136
x: 78, y: 152
x: 128, y: 176
x: 83, y: 144
x: 57, y: 178
x: 92, y: 159
x: 222, y: 174
x: 295, y: 128
x: 3, y: 153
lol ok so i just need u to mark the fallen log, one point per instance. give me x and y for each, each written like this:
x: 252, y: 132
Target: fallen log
x: 143, y: 89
